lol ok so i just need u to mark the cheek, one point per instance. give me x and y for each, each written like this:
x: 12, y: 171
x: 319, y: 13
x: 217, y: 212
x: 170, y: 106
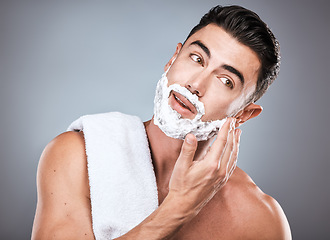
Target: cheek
x: 173, y: 78
x: 219, y: 99
x: 180, y: 72
x: 237, y: 104
x: 216, y: 107
x: 234, y: 106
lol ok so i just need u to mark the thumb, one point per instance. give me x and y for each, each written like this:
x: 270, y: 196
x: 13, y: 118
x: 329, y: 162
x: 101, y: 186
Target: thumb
x: 188, y: 150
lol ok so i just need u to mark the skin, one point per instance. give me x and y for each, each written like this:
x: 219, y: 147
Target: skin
x: 219, y: 89
x: 202, y: 195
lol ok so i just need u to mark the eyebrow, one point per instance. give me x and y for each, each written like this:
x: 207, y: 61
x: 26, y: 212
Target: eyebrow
x: 202, y: 46
x: 234, y: 71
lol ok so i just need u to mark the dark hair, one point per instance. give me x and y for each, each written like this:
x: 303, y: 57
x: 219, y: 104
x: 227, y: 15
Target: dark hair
x: 247, y: 27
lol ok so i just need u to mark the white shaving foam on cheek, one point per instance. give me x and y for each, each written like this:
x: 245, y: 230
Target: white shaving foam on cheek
x: 238, y: 104
x: 170, y: 121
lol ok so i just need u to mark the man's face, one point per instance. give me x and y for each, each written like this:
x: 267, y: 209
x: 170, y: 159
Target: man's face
x: 216, y: 67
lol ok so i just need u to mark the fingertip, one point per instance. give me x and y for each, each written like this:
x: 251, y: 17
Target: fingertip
x: 231, y: 121
x: 190, y: 139
x: 238, y: 133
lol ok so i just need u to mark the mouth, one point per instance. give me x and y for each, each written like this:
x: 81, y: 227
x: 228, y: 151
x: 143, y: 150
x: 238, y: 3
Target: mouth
x: 182, y: 105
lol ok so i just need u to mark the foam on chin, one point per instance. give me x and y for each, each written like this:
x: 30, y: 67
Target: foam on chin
x: 170, y: 121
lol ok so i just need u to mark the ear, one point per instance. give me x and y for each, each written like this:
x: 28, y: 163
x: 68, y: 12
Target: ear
x: 178, y: 48
x: 250, y: 111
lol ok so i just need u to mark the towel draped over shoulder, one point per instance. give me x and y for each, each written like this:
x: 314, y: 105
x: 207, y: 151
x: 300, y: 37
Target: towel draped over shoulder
x: 122, y: 181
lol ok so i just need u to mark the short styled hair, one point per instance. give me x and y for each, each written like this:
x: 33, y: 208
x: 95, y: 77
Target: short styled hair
x: 247, y: 27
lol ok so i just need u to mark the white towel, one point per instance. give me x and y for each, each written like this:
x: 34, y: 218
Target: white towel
x: 123, y: 187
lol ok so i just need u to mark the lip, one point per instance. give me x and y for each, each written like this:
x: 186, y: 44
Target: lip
x: 182, y: 105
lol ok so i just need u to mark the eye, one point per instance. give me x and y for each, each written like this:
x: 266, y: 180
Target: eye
x: 197, y: 59
x: 227, y: 82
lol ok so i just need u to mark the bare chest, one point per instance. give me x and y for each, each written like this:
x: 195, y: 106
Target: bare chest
x: 210, y: 223
x: 225, y: 217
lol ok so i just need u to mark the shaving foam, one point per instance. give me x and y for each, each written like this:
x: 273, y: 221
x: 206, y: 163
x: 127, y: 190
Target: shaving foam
x: 171, y: 122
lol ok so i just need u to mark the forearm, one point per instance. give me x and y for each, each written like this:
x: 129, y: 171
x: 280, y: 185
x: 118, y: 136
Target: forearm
x: 163, y: 223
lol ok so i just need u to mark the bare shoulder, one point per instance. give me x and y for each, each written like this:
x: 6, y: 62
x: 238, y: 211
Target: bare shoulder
x: 64, y: 152
x: 63, y: 189
x: 261, y: 216
x: 63, y: 162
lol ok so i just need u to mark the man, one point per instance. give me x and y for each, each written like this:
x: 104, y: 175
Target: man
x: 212, y: 82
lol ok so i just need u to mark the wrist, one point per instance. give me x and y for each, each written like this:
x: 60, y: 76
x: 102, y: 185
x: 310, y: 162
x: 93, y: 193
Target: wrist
x: 180, y: 207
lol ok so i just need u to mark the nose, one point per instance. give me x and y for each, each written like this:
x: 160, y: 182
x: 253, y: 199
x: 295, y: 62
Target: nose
x: 197, y: 85
x: 193, y: 90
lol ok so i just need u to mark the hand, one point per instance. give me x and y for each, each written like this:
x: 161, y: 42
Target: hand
x: 194, y: 183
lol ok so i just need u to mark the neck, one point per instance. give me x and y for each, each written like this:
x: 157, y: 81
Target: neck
x: 164, y: 153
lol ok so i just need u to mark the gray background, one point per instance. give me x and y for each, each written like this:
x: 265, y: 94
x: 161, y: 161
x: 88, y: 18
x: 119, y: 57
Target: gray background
x: 63, y: 59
